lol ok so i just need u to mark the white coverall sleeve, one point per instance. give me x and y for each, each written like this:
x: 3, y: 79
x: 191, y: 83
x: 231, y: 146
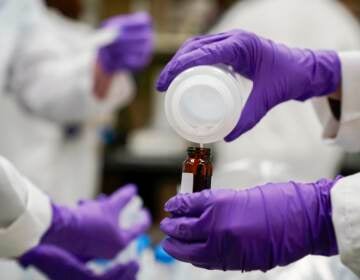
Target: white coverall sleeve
x: 346, y: 131
x: 346, y: 218
x: 25, y: 212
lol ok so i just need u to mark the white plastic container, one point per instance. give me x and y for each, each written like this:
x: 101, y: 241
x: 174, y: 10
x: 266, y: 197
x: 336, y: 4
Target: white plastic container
x: 204, y: 103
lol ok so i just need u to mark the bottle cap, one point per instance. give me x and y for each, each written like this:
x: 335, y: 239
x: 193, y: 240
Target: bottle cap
x: 203, y: 104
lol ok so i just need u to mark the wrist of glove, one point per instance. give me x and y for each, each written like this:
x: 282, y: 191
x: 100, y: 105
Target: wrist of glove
x: 254, y: 229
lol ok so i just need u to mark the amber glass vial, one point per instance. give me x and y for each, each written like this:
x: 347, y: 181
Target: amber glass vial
x: 197, y: 170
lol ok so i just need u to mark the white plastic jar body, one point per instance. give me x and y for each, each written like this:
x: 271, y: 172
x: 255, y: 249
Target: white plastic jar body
x: 203, y: 104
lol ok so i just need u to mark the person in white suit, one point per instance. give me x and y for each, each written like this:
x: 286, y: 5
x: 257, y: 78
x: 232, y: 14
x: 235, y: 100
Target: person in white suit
x: 57, y: 74
x: 51, y: 75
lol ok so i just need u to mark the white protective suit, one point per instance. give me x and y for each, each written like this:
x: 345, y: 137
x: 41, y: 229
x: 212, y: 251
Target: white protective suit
x: 346, y: 193
x: 46, y: 84
x: 25, y: 215
x: 287, y: 144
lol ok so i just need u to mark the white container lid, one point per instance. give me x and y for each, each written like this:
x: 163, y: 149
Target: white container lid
x: 204, y: 103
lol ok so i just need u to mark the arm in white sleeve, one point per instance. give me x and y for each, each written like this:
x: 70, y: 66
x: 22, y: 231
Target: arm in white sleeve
x: 25, y: 212
x: 346, y: 131
x: 346, y: 218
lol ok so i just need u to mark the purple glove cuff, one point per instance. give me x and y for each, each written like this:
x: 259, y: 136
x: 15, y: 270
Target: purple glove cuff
x: 60, y: 226
x: 324, y: 70
x: 318, y: 237
x: 324, y: 238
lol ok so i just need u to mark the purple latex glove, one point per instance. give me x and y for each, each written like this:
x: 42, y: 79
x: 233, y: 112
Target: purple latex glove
x: 132, y: 48
x: 278, y: 73
x: 254, y: 229
x: 91, y: 230
x: 57, y: 264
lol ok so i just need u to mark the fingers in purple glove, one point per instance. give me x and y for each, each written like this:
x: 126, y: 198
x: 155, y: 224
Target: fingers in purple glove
x: 138, y: 228
x: 56, y: 263
x: 133, y: 46
x: 191, y: 205
x: 183, y: 62
x: 208, y: 50
x: 122, y: 272
x: 185, y: 251
x: 119, y: 199
x: 170, y: 71
x: 185, y: 229
x: 138, y: 45
x: 139, y: 20
x: 250, y: 117
x: 136, y: 20
x: 198, y: 41
x: 94, y: 225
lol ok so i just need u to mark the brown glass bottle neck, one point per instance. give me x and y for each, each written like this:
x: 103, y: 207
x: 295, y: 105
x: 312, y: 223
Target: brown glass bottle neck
x: 199, y: 153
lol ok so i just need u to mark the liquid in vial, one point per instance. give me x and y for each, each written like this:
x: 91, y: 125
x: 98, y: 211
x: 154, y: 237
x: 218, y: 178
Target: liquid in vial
x: 197, y: 170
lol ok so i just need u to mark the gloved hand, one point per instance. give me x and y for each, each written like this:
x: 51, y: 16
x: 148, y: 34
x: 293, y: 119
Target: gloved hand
x: 58, y: 264
x: 253, y: 229
x: 132, y: 49
x: 91, y: 230
x: 278, y: 73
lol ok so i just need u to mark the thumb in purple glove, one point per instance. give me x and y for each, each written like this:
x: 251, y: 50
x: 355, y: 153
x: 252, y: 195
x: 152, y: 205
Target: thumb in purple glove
x: 133, y: 46
x: 91, y: 230
x: 278, y: 73
x: 59, y: 264
x: 254, y: 229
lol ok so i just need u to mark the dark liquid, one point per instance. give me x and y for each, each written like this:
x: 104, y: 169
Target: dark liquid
x: 199, y: 165
x: 201, y: 182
